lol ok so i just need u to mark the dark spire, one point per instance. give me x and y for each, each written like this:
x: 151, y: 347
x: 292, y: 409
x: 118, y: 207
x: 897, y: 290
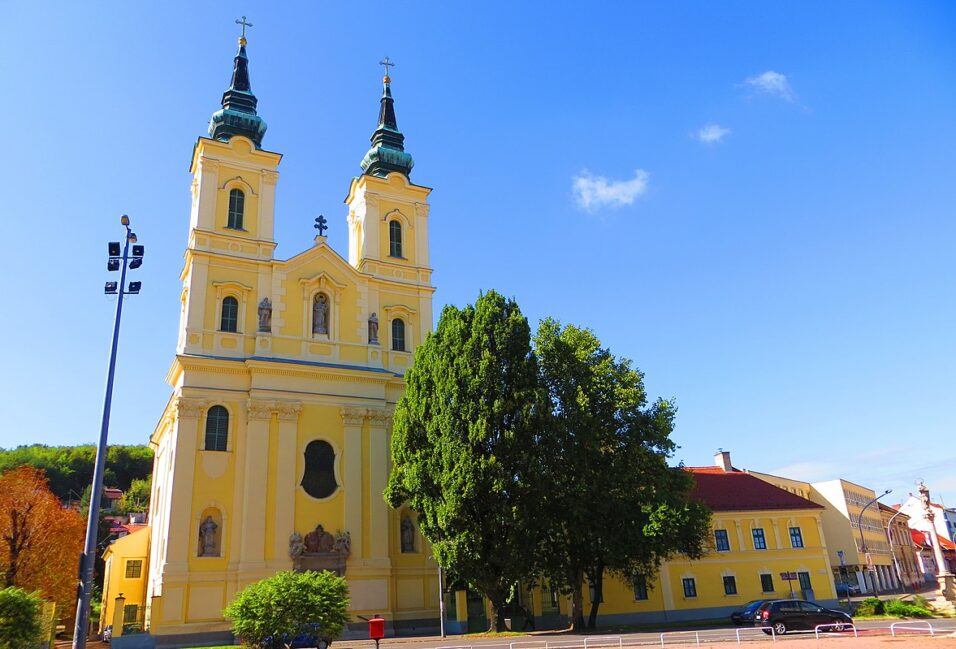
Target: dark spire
x: 238, y: 113
x: 388, y: 144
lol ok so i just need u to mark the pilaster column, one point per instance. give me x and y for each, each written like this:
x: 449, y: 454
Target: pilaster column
x: 379, y: 421
x: 179, y: 540
x: 776, y: 533
x: 352, y: 421
x: 285, y: 473
x: 254, y: 482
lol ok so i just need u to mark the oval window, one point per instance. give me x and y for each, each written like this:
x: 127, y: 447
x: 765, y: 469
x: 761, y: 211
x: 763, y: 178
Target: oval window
x: 318, y: 478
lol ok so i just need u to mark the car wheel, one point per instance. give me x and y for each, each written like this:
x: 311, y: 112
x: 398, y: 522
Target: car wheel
x: 779, y: 628
x: 839, y: 625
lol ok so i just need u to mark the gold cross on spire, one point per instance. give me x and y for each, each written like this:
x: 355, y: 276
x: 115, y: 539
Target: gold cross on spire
x: 387, y: 62
x: 244, y: 24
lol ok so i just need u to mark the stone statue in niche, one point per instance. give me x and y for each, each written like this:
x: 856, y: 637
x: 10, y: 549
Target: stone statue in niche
x: 373, y: 329
x: 320, y: 314
x: 320, y: 550
x: 265, y: 315
x: 408, y: 535
x: 207, y: 538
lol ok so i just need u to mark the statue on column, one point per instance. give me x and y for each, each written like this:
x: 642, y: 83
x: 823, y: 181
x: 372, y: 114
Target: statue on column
x: 265, y: 315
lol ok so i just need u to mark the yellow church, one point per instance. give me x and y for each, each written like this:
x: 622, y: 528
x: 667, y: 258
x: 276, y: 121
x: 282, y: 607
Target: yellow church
x: 273, y: 450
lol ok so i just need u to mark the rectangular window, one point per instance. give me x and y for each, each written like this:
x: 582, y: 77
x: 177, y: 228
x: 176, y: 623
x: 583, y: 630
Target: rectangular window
x: 730, y: 585
x: 640, y: 588
x: 766, y: 583
x: 690, y: 587
x: 134, y: 568
x: 130, y: 613
x: 804, y: 578
x: 796, y: 537
x: 760, y: 541
x: 721, y: 541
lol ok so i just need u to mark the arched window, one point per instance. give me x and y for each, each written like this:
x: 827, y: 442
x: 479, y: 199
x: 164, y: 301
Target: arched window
x: 217, y: 428
x: 237, y: 205
x: 230, y: 315
x: 395, y: 238
x: 398, y: 335
x: 318, y: 479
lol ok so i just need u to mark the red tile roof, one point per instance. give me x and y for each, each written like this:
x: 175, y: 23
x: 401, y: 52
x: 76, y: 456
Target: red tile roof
x: 945, y: 543
x: 919, y: 538
x: 738, y: 491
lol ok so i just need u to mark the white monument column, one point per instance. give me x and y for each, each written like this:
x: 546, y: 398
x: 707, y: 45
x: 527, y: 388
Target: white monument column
x: 947, y: 588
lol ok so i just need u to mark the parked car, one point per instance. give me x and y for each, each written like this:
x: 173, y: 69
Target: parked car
x: 745, y: 616
x: 784, y: 615
x: 847, y: 590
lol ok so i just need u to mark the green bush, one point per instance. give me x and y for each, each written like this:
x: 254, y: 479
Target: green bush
x: 288, y: 604
x: 19, y: 618
x: 905, y: 609
x: 870, y: 606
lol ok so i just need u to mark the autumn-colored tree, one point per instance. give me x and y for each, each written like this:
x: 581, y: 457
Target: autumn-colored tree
x: 40, y: 540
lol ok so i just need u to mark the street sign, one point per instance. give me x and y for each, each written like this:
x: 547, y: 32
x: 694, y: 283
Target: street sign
x: 788, y: 576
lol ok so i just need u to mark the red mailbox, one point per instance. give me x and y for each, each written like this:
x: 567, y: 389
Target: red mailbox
x: 376, y: 628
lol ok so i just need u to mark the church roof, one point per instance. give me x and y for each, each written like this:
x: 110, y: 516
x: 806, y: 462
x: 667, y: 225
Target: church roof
x: 238, y: 113
x: 739, y: 491
x: 387, y: 153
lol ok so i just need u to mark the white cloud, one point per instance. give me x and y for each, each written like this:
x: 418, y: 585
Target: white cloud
x: 596, y: 191
x: 712, y: 134
x: 772, y: 83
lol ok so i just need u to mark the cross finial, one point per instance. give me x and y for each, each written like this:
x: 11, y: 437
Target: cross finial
x: 244, y: 25
x: 387, y: 62
x: 320, y: 225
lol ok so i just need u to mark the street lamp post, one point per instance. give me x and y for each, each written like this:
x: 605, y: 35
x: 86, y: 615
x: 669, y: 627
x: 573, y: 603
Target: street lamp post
x: 859, y: 524
x: 87, y: 559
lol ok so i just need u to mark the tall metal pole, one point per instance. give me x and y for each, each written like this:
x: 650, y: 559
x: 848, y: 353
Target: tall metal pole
x: 88, y: 558
x: 859, y: 524
x: 441, y: 602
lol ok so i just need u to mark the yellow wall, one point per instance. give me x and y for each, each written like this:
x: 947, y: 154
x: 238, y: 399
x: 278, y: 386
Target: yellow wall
x: 742, y: 561
x: 284, y: 388
x: 132, y: 547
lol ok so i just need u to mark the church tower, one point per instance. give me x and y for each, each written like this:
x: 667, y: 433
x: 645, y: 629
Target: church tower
x: 273, y: 450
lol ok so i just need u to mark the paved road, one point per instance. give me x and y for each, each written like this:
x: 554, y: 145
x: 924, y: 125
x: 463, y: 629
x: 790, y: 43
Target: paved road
x: 564, y: 640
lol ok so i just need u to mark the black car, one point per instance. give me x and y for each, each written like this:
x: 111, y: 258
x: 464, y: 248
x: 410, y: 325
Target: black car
x: 784, y: 615
x: 745, y: 616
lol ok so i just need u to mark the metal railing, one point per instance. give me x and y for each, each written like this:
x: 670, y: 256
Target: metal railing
x: 604, y: 641
x: 838, y: 627
x: 911, y: 626
x: 739, y: 635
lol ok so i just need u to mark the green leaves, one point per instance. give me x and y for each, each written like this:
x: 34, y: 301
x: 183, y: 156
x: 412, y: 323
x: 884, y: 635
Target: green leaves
x: 527, y: 461
x: 288, y: 604
x: 19, y: 618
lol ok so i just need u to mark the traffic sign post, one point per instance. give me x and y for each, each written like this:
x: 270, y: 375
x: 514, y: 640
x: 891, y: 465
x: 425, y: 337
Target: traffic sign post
x: 789, y: 577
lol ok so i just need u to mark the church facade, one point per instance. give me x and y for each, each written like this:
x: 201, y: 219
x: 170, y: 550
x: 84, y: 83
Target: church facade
x: 272, y: 452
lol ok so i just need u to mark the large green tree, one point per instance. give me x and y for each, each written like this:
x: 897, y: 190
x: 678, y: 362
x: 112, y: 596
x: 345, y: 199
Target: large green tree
x: 614, y: 504
x: 464, y: 445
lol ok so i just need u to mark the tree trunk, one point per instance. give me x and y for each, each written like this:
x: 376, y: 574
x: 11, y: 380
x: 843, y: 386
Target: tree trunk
x: 577, y: 609
x: 496, y: 622
x: 598, y: 581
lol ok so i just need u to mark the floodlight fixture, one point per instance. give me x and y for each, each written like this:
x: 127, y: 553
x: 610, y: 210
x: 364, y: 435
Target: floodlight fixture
x: 134, y: 288
x: 114, y: 248
x: 139, y: 250
x: 110, y: 288
x: 112, y: 264
x: 135, y: 263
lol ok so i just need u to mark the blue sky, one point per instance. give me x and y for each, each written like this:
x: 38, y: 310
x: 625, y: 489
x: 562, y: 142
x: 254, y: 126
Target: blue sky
x: 753, y: 201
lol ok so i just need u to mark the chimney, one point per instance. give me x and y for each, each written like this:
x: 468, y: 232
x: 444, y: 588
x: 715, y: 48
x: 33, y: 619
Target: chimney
x: 722, y: 460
